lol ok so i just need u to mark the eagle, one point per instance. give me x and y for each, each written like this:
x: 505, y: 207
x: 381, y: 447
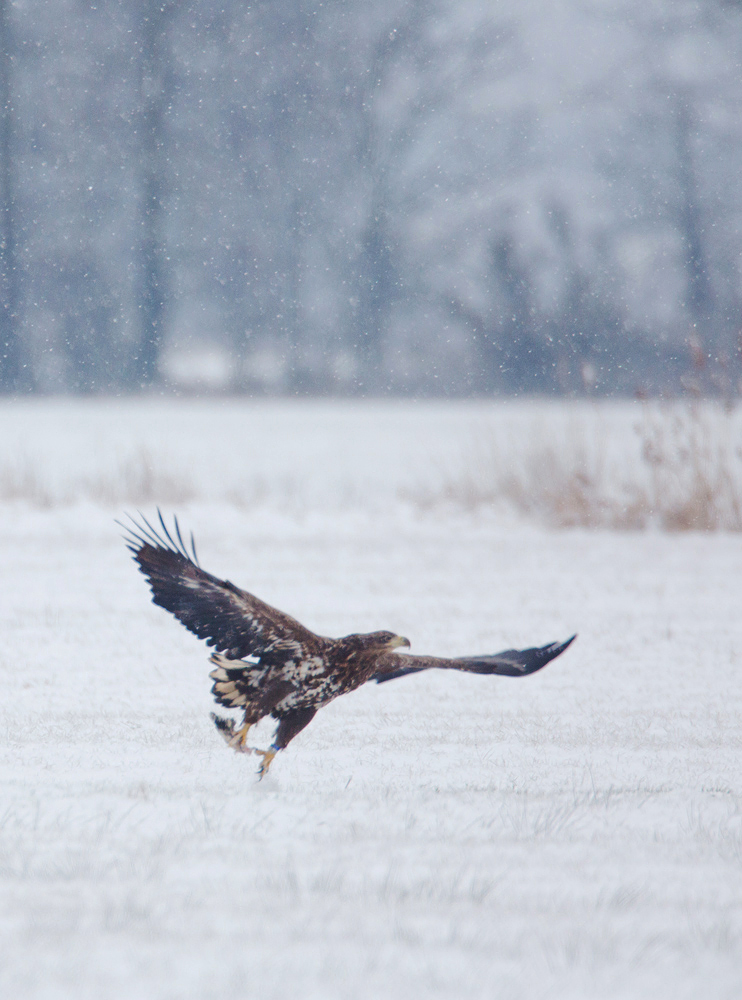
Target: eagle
x: 265, y: 662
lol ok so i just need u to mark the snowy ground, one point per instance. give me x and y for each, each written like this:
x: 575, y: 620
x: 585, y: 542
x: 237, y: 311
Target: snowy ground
x: 573, y: 834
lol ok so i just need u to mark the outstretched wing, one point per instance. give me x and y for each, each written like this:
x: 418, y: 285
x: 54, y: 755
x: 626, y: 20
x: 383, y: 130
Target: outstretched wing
x: 509, y: 663
x: 234, y: 622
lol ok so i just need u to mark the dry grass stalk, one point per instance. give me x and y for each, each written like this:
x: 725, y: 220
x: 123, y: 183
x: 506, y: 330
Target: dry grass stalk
x: 19, y: 480
x: 137, y: 479
x: 686, y: 475
x: 695, y: 472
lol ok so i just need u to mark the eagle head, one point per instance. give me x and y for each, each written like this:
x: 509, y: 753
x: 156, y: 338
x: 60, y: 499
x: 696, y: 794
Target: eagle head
x: 389, y: 640
x: 376, y: 641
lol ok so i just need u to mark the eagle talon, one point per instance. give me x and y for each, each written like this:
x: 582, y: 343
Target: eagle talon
x: 235, y: 738
x: 239, y: 740
x: 267, y: 756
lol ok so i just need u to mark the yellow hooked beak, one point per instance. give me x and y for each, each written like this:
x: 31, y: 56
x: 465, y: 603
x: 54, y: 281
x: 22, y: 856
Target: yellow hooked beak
x: 397, y: 641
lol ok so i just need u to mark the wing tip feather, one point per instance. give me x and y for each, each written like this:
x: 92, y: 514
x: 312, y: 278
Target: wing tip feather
x: 141, y: 533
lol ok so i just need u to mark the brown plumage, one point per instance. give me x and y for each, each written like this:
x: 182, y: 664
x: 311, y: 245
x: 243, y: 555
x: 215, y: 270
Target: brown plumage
x: 268, y: 664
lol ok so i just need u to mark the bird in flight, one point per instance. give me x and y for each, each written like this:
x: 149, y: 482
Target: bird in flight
x: 268, y: 664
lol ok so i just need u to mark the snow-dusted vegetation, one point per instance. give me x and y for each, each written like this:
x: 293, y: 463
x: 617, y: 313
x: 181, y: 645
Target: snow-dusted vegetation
x: 574, y: 834
x: 675, y: 466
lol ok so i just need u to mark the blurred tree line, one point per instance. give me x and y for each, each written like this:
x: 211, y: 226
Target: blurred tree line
x: 429, y: 196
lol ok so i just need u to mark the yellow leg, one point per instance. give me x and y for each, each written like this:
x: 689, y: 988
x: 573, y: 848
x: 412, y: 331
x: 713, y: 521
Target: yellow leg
x: 267, y: 756
x: 239, y: 740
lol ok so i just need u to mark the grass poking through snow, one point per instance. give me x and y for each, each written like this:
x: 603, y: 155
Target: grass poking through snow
x: 681, y: 472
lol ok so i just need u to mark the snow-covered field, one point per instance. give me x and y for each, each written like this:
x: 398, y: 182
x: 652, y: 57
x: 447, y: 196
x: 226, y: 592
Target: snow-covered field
x: 577, y: 833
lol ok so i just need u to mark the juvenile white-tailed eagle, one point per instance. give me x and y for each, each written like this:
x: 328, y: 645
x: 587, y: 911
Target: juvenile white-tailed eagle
x: 267, y: 663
